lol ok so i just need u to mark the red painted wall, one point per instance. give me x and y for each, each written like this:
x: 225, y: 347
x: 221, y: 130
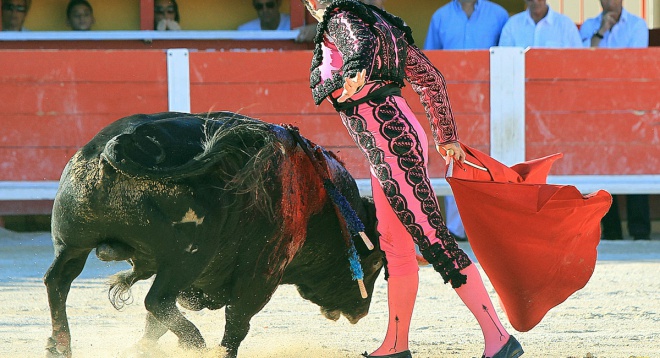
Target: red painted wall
x: 599, y: 107
x: 55, y: 101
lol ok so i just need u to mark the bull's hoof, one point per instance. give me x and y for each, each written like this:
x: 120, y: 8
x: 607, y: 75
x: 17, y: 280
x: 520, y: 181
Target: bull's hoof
x: 53, y: 350
x: 222, y: 352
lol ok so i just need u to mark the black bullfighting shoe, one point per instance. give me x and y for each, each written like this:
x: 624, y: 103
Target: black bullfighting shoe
x: 404, y: 354
x: 512, y: 349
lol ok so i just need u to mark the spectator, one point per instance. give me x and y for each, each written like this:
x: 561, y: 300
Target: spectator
x: 615, y: 27
x: 462, y: 25
x: 14, y: 13
x: 540, y: 26
x: 79, y: 15
x: 269, y: 17
x: 166, y: 15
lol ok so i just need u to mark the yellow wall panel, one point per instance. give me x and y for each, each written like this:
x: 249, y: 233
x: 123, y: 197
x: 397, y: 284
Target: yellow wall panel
x: 634, y: 6
x: 48, y: 15
x: 574, y: 12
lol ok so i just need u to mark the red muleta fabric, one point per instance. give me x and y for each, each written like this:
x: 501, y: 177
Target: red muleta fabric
x: 535, y: 241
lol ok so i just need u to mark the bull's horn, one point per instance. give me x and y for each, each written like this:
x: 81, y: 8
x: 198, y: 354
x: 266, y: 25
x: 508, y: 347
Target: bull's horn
x: 366, y: 240
x: 363, y: 290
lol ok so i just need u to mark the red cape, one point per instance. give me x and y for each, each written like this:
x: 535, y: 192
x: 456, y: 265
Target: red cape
x: 535, y: 241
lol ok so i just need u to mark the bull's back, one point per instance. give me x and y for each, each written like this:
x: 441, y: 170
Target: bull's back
x: 95, y: 200
x: 100, y: 198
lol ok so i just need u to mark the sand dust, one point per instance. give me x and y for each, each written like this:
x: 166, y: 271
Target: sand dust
x: 616, y: 315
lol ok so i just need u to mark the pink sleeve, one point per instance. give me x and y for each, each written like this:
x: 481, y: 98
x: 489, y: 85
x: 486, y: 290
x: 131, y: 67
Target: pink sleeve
x: 429, y: 83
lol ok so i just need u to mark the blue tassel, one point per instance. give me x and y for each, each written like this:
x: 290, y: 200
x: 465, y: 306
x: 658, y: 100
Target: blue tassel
x: 354, y: 259
x: 353, y: 222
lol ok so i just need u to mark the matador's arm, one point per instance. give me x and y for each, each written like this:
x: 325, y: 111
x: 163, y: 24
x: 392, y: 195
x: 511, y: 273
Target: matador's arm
x: 430, y: 84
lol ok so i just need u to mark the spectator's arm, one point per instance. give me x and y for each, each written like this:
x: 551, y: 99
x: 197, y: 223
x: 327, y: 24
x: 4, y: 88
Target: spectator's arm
x: 503, y: 17
x: 587, y: 32
x: 640, y: 35
x: 307, y: 33
x: 506, y: 38
x: 433, y: 40
x: 573, y: 35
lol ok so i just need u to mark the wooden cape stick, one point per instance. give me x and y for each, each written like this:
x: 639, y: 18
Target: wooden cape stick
x: 451, y: 152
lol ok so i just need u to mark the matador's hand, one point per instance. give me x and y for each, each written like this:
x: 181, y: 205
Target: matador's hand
x: 352, y: 85
x: 451, y: 150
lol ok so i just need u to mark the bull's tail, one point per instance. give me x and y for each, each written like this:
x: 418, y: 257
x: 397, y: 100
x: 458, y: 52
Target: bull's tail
x: 119, y: 292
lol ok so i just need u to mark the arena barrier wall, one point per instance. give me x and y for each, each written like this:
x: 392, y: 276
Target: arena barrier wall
x: 599, y: 107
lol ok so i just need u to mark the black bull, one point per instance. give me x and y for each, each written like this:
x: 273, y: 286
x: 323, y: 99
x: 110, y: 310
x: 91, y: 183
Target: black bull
x: 221, y: 208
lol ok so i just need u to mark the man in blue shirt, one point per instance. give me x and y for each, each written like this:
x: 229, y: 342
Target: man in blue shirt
x: 463, y: 25
x: 466, y: 24
x: 617, y: 28
x: 540, y: 26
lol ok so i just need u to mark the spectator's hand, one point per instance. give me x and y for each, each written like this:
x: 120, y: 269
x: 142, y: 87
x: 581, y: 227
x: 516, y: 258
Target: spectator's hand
x: 608, y: 21
x: 451, y: 150
x: 162, y: 25
x: 307, y: 33
x: 352, y: 86
x: 173, y: 25
x: 165, y: 25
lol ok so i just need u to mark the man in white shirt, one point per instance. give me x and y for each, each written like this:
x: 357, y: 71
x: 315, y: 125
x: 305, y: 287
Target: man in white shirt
x: 540, y: 26
x: 270, y: 17
x: 615, y: 27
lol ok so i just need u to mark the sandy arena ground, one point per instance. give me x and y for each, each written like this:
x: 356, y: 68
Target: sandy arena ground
x: 616, y: 315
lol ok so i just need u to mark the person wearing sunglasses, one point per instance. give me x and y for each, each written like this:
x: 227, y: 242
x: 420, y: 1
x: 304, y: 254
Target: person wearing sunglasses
x: 269, y: 17
x: 166, y: 15
x: 14, y: 13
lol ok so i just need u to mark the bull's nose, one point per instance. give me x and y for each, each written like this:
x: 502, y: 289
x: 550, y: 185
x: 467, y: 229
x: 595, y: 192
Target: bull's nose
x: 355, y: 319
x: 331, y: 314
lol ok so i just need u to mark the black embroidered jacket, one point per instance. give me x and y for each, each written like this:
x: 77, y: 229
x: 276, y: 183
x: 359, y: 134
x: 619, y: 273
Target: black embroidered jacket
x: 375, y: 40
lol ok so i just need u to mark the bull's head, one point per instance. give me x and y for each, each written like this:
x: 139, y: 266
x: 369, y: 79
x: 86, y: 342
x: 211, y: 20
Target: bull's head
x: 337, y: 294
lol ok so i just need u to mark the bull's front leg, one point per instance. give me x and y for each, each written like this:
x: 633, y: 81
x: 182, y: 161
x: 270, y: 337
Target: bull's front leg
x: 68, y: 264
x: 255, y: 295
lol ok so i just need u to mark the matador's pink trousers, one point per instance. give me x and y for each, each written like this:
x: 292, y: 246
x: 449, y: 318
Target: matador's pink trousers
x: 389, y: 135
